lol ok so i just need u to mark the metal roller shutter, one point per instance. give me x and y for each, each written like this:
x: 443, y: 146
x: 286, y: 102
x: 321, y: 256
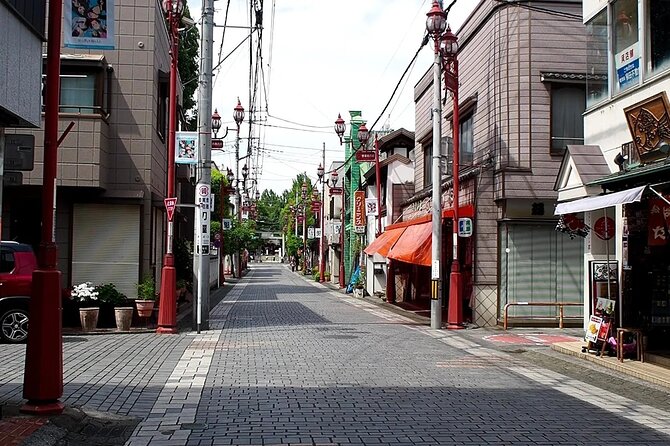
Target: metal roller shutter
x: 106, y: 245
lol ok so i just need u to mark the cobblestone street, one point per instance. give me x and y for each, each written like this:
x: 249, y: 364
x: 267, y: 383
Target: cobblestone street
x: 288, y: 361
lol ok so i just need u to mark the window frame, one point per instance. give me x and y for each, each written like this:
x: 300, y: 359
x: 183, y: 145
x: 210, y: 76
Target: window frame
x: 102, y: 93
x: 553, y: 87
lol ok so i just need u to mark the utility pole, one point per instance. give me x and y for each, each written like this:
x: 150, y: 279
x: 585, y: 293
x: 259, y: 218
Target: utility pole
x: 204, y: 186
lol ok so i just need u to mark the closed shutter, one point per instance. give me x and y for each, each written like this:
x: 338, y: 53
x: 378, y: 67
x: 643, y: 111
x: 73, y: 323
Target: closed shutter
x: 538, y: 264
x: 106, y: 245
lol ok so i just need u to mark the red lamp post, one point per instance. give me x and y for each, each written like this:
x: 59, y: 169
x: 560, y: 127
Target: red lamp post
x: 322, y: 250
x: 238, y: 116
x: 303, y: 194
x: 449, y: 50
x: 167, y: 312
x: 43, y: 373
x: 333, y: 179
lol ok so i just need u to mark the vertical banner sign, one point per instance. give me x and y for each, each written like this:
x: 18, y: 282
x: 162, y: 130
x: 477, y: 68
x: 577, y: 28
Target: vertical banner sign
x: 89, y: 24
x: 359, y: 211
x: 203, y: 202
x: 628, y: 66
x: 186, y: 147
x: 310, y: 233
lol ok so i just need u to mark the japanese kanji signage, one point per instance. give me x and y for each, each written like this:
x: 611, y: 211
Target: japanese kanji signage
x: 170, y: 204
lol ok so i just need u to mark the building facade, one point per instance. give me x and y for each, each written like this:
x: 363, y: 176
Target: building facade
x: 522, y: 94
x: 112, y: 166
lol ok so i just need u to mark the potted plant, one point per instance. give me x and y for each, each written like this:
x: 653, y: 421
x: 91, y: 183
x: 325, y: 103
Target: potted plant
x: 359, y: 285
x: 89, y: 305
x: 146, y: 295
x: 122, y: 314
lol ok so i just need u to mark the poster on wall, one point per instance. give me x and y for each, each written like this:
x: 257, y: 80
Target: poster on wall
x: 89, y: 24
x: 187, y: 148
x: 371, y: 207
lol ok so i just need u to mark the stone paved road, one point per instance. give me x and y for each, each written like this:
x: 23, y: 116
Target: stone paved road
x: 290, y: 362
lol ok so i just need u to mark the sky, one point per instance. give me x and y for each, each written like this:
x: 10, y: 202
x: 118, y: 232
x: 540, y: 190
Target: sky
x: 318, y: 59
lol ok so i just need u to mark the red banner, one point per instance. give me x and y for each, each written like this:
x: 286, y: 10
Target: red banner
x: 359, y: 208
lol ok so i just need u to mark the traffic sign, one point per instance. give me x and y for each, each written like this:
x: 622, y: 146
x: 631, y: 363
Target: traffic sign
x: 217, y: 236
x: 217, y: 143
x: 170, y: 204
x: 365, y: 155
x: 226, y: 224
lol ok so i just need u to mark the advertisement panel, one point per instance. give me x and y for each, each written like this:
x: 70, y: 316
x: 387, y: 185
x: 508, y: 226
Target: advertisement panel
x: 89, y: 24
x: 187, y: 148
x: 359, y: 209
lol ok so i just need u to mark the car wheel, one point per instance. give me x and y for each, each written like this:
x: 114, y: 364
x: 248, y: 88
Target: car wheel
x: 14, y: 326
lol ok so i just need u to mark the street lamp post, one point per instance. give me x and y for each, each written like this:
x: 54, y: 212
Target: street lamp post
x: 303, y: 194
x: 449, y: 49
x: 436, y: 23
x: 238, y: 116
x: 333, y: 179
x: 167, y: 310
x: 322, y: 260
x: 43, y: 373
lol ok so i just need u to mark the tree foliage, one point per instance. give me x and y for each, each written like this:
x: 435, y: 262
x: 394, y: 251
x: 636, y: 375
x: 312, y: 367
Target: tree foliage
x: 269, y: 208
x: 188, y: 70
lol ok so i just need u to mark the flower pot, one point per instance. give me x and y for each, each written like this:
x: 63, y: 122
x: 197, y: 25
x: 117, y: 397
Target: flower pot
x: 358, y: 292
x: 144, y: 307
x: 89, y: 318
x: 124, y: 316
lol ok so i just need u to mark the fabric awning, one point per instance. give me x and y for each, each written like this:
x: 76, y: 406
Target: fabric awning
x: 382, y: 244
x: 414, y: 245
x: 600, y: 201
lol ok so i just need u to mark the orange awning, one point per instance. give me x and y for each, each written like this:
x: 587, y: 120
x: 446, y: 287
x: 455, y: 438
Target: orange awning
x: 414, y: 245
x: 382, y: 244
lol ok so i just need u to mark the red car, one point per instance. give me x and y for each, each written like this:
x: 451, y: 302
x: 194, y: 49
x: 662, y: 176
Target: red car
x: 17, y: 263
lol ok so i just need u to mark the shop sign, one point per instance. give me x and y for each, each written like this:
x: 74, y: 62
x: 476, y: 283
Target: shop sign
x: 359, y: 209
x: 310, y: 233
x: 593, y: 328
x: 335, y: 191
x: 628, y: 66
x: 648, y: 122
x: 365, y: 156
x: 465, y: 227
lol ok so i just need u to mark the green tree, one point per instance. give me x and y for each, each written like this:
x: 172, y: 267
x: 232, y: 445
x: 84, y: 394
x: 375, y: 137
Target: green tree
x: 188, y: 71
x: 270, y: 206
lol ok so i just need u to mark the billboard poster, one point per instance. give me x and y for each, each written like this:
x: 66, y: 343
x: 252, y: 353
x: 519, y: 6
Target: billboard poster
x: 371, y: 207
x: 187, y: 148
x: 89, y: 24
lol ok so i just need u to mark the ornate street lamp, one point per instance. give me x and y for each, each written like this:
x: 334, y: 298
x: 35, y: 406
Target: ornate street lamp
x: 333, y: 180
x: 340, y: 127
x: 436, y: 23
x: 216, y: 122
x: 167, y: 315
x: 238, y: 116
x: 320, y: 171
x: 363, y: 136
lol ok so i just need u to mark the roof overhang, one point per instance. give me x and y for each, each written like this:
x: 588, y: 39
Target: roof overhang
x: 601, y: 201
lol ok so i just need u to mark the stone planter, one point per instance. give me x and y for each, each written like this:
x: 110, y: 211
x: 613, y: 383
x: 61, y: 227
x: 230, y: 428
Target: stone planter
x: 124, y: 316
x: 144, y: 307
x: 358, y: 292
x: 89, y: 318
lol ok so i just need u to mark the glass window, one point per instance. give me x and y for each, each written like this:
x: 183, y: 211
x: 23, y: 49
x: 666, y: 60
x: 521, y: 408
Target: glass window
x: 466, y: 145
x: 568, y: 103
x: 625, y: 44
x: 428, y: 165
x: 6, y: 261
x: 596, y: 59
x: 658, y: 53
x: 77, y: 93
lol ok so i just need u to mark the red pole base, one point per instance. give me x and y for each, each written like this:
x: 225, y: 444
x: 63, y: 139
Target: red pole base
x: 455, y: 313
x: 43, y: 408
x: 167, y: 311
x: 43, y: 375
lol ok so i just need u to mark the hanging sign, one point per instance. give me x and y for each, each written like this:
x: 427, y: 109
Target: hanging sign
x: 365, y: 155
x: 359, y: 209
x: 89, y: 24
x: 187, y: 148
x: 310, y: 232
x: 465, y: 227
x: 335, y: 191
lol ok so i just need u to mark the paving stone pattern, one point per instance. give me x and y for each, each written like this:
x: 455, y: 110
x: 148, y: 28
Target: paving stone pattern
x: 291, y: 362
x: 299, y: 364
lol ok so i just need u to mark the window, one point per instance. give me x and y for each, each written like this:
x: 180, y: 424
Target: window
x: 162, y: 115
x: 466, y: 143
x: 6, y: 261
x: 568, y: 103
x: 658, y: 53
x: 428, y: 164
x: 83, y: 88
x: 596, y: 58
x: 625, y: 44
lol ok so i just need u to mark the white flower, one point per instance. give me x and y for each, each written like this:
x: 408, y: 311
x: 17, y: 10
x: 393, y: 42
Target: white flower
x: 84, y: 292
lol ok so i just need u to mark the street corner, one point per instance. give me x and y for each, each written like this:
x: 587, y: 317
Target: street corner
x: 529, y: 339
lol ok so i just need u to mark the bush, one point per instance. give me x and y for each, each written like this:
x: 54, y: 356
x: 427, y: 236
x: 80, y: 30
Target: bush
x: 108, y: 293
x: 146, y: 289
x: 316, y: 274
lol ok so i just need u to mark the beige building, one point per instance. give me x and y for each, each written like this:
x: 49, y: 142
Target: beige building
x: 112, y: 166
